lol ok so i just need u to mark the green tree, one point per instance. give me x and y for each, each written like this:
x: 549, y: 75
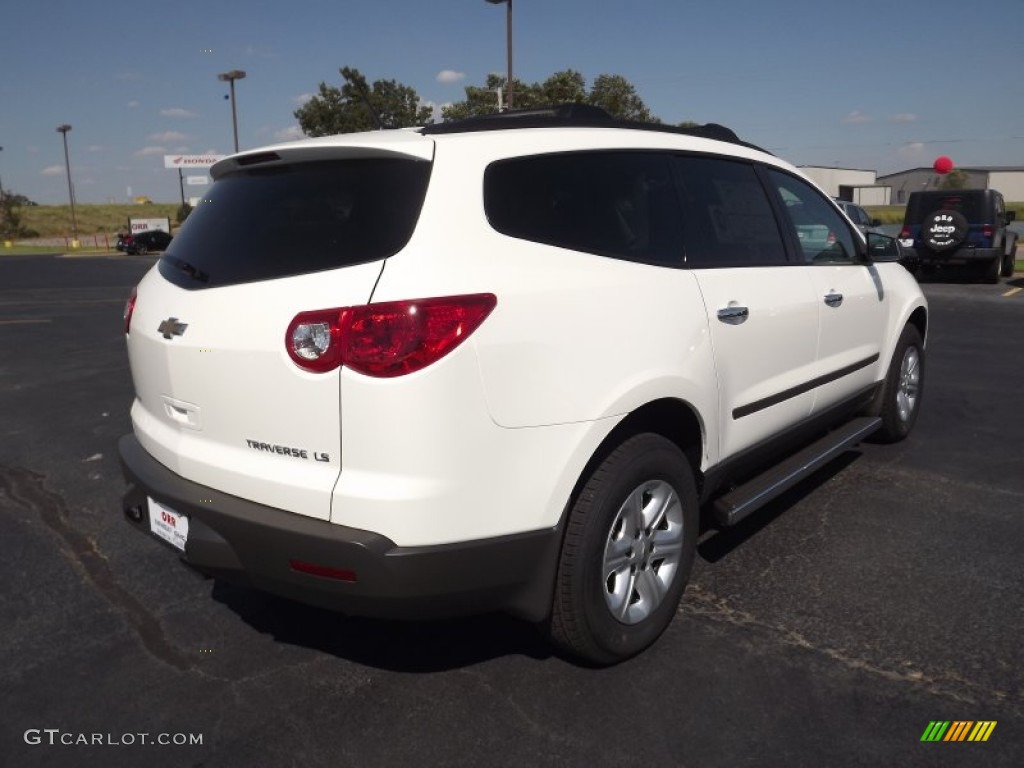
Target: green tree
x: 611, y: 92
x: 359, y: 107
x: 616, y: 95
x: 955, y: 179
x: 10, y: 216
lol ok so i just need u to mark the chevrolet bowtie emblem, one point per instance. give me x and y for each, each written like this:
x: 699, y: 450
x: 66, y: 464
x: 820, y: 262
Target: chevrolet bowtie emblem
x: 171, y: 326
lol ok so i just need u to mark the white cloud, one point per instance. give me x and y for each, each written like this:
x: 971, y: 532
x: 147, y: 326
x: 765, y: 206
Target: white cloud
x: 53, y: 170
x: 177, y: 112
x: 146, y: 151
x: 181, y: 149
x: 132, y: 104
x: 167, y: 137
x: 94, y: 148
x: 913, y: 149
x: 904, y: 117
x: 32, y: 149
x: 302, y: 98
x: 448, y: 76
x: 291, y: 133
x: 857, y: 117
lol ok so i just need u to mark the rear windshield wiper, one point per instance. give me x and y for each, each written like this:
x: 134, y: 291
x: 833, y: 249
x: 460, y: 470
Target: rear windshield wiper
x: 189, y: 269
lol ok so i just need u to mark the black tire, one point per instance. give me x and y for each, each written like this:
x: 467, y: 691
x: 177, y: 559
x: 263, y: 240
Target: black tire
x: 993, y: 270
x: 141, y: 250
x: 1008, y: 264
x: 653, y: 473
x: 899, y: 400
x: 944, y: 230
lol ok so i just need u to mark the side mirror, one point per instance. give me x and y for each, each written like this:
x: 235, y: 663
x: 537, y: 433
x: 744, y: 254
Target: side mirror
x: 876, y: 222
x: 883, y: 248
x: 1011, y: 216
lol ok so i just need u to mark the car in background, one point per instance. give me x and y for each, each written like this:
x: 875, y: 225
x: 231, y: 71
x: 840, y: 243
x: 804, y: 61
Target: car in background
x: 123, y: 241
x: 860, y: 217
x: 960, y: 227
x: 144, y: 242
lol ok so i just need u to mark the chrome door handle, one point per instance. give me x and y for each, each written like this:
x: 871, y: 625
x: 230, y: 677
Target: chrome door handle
x: 833, y: 299
x: 733, y: 315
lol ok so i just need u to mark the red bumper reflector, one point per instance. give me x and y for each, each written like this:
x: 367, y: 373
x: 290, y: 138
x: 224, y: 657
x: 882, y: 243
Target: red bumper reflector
x: 324, y: 571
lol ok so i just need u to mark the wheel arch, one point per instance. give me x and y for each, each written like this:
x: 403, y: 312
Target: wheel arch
x: 919, y: 319
x: 675, y: 420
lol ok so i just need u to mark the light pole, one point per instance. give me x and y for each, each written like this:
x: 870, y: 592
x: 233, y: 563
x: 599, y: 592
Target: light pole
x: 230, y: 77
x: 508, y: 32
x: 63, y: 130
x: 3, y: 228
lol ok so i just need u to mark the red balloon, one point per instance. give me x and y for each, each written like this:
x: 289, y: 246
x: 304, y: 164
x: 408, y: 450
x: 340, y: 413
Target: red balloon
x: 943, y: 165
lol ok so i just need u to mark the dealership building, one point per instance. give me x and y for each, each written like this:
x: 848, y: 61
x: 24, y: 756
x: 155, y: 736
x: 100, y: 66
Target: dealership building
x: 867, y: 188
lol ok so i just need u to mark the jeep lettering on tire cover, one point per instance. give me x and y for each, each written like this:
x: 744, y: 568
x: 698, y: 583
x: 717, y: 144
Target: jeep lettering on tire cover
x: 944, y: 230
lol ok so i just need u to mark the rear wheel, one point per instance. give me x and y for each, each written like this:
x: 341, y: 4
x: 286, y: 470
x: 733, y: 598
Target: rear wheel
x: 1008, y: 264
x: 141, y: 250
x: 899, y: 400
x: 994, y: 270
x: 629, y: 547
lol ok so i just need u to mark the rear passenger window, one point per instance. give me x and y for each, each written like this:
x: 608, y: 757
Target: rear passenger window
x: 618, y: 204
x: 729, y: 220
x: 823, y: 235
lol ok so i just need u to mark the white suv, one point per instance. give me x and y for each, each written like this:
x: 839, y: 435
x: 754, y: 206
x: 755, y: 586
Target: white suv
x: 501, y: 364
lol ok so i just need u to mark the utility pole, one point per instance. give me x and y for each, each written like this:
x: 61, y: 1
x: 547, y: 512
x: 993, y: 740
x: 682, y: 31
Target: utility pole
x: 63, y: 130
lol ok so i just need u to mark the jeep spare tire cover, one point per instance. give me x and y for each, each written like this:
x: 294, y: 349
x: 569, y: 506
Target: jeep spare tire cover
x: 944, y: 230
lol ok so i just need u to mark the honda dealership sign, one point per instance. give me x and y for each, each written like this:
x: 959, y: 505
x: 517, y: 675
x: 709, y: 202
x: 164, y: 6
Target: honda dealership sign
x: 184, y: 162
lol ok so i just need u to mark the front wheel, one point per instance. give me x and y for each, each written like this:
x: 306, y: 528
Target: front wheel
x: 629, y: 546
x: 899, y: 400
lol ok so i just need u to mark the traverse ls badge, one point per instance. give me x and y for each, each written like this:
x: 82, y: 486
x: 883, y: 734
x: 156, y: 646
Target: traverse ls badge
x: 171, y: 326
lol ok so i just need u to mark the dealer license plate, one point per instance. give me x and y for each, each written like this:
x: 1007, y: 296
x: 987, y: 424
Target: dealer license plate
x: 169, y: 525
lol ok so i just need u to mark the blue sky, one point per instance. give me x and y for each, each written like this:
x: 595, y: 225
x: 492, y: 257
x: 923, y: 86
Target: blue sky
x: 876, y: 84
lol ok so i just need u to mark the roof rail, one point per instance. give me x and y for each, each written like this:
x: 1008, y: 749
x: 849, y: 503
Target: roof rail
x: 575, y: 116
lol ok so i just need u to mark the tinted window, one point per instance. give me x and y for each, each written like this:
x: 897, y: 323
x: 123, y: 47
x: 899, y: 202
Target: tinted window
x: 971, y: 205
x: 618, y: 204
x: 263, y: 223
x: 729, y: 220
x: 822, y: 233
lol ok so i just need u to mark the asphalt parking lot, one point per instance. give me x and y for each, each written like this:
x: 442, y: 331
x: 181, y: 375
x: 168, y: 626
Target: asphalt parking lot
x: 829, y: 630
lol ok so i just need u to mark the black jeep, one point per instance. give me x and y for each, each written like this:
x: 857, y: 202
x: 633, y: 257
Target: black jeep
x: 960, y: 227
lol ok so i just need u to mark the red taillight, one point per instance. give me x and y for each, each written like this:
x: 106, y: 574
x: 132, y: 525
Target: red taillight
x: 905, y: 233
x: 387, y: 339
x: 831, y: 239
x: 129, y: 308
x: 986, y: 230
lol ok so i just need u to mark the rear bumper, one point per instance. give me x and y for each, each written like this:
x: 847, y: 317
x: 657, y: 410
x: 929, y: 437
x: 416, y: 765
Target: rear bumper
x: 959, y: 256
x: 249, y: 543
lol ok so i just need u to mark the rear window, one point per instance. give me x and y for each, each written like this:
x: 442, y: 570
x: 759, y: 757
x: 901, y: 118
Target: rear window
x: 972, y: 206
x: 264, y: 223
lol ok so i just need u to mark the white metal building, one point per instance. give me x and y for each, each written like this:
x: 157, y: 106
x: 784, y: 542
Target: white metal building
x: 1007, y: 179
x: 854, y: 185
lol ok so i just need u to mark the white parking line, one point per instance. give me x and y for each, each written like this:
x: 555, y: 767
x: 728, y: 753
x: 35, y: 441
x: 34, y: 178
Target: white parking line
x: 1013, y: 291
